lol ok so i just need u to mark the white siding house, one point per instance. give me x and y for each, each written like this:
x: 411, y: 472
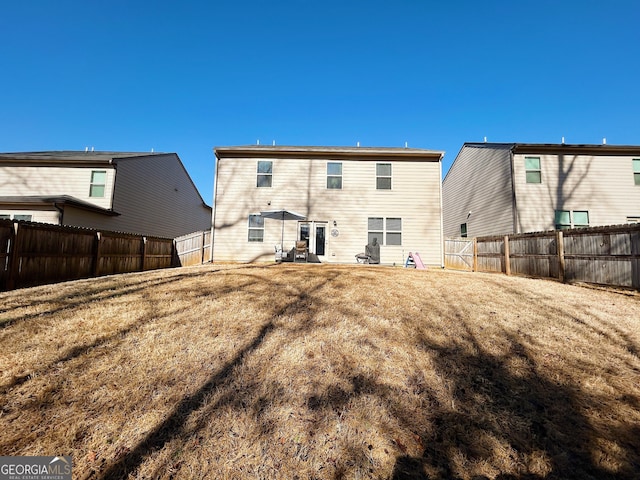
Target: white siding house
x: 144, y: 193
x: 348, y: 196
x: 494, y: 189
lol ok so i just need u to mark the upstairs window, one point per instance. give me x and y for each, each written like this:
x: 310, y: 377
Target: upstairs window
x: 256, y: 228
x: 383, y: 176
x: 334, y: 175
x: 571, y: 219
x: 265, y: 173
x: 636, y: 171
x: 98, y: 182
x: 532, y: 168
x: 463, y: 230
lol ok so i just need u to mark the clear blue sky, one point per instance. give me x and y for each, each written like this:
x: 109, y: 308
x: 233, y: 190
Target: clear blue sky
x: 190, y: 75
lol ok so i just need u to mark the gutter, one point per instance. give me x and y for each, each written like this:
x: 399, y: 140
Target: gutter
x: 441, y: 215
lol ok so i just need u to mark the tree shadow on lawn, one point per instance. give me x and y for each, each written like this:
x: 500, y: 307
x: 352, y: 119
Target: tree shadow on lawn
x: 540, y: 426
x: 174, y: 426
x: 107, y: 292
x: 76, y: 293
x: 83, y: 292
x: 518, y: 425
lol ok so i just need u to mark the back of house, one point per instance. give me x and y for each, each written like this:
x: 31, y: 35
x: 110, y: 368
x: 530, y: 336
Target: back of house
x: 344, y: 198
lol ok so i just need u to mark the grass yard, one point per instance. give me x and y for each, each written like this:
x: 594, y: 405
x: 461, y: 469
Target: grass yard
x: 323, y: 372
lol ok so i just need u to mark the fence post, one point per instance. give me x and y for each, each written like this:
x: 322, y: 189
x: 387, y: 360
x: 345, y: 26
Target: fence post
x: 14, y: 266
x: 97, y: 253
x: 507, y: 262
x: 174, y: 252
x: 475, y: 254
x: 144, y: 253
x: 202, y: 248
x: 560, y: 248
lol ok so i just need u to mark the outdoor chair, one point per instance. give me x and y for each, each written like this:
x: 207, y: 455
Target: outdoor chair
x: 362, y: 258
x: 301, y: 251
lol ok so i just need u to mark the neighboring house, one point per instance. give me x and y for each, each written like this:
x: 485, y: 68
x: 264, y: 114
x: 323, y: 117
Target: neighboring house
x: 144, y: 193
x: 348, y: 196
x: 503, y: 188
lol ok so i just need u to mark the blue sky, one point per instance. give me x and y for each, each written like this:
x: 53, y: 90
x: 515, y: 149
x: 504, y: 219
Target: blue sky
x: 187, y: 76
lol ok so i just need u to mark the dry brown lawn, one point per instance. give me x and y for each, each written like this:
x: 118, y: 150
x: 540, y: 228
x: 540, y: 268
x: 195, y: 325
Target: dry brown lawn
x: 322, y: 372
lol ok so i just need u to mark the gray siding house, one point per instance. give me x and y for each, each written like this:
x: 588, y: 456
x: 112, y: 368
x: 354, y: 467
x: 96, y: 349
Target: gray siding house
x: 347, y: 196
x: 503, y: 188
x: 143, y: 193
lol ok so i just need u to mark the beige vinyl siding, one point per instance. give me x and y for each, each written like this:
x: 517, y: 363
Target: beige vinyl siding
x: 479, y: 181
x: 151, y: 193
x: 155, y: 196
x: 299, y: 184
x: 603, y: 185
x: 55, y: 181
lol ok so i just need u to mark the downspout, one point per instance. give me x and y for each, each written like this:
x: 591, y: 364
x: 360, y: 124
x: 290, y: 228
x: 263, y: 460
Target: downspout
x: 115, y: 177
x: 60, y: 213
x: 213, y: 209
x: 441, y: 214
x: 514, y: 204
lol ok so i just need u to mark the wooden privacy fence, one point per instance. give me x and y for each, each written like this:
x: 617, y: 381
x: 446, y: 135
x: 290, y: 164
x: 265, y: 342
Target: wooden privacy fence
x: 36, y: 254
x: 194, y: 248
x: 601, y: 255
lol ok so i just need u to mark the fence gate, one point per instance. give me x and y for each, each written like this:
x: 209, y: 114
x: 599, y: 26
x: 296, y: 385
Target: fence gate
x: 458, y: 254
x: 194, y: 248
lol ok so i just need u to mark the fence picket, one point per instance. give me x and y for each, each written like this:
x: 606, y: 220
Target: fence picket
x: 602, y: 255
x: 37, y: 253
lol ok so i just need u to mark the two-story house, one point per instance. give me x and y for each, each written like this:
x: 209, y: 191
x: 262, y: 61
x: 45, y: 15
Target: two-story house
x: 347, y: 196
x: 503, y: 188
x: 144, y: 193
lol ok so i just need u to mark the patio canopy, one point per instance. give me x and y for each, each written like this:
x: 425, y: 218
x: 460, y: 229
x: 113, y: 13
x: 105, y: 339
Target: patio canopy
x: 282, y: 215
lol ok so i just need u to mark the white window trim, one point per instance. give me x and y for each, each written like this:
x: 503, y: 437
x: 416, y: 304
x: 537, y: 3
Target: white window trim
x: 390, y: 176
x: 261, y: 174
x: 253, y: 228
x: 571, y: 218
x: 538, y: 170
x: 94, y: 184
x: 334, y: 176
x: 382, y: 237
x: 636, y: 171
